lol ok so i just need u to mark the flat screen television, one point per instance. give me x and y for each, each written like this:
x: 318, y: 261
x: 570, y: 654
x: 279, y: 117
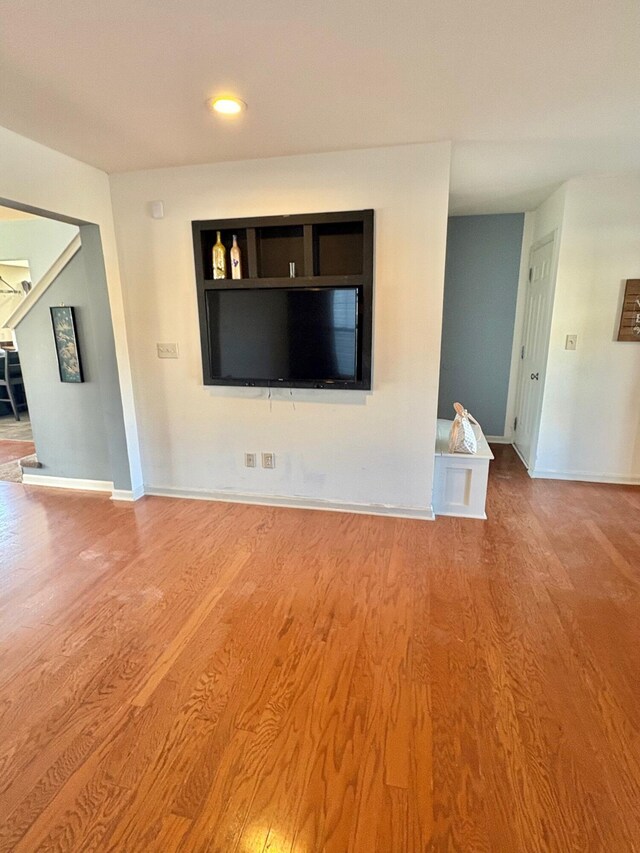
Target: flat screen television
x: 291, y: 337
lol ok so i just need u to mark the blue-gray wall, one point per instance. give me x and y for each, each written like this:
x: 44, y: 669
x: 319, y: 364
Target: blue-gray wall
x: 480, y: 292
x: 78, y: 429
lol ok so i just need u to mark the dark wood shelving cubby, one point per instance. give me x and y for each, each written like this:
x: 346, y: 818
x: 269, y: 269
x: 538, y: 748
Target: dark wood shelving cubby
x: 329, y: 250
x: 226, y: 235
x: 278, y: 246
x: 338, y: 248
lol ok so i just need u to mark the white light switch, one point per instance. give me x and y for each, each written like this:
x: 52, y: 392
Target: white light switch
x: 571, y: 342
x: 157, y: 209
x: 167, y: 350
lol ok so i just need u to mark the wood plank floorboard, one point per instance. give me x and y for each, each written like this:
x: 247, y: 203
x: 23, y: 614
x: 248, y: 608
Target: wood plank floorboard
x: 198, y: 677
x: 13, y: 450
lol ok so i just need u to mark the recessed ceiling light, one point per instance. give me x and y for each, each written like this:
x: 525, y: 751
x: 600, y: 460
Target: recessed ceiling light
x: 227, y: 106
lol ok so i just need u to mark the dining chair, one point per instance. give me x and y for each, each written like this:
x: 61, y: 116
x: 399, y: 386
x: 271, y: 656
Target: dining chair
x: 10, y: 376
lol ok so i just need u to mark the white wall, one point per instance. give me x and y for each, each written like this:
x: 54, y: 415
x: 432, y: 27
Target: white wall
x: 549, y: 216
x: 590, y: 425
x: 44, y: 180
x: 347, y: 447
x: 39, y: 241
x: 10, y: 301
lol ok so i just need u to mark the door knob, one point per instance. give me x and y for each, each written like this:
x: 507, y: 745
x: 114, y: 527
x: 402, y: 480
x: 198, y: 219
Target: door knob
x: 534, y: 375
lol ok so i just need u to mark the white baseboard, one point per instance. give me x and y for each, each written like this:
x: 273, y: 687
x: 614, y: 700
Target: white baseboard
x: 499, y: 439
x: 422, y: 513
x: 585, y: 477
x: 480, y: 516
x: 66, y: 483
x: 127, y: 494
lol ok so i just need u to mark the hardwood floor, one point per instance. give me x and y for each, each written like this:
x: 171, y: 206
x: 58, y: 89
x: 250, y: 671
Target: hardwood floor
x: 193, y: 676
x: 13, y: 430
x: 10, y: 450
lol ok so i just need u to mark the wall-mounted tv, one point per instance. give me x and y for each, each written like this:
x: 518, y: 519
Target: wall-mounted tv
x: 301, y: 313
x: 285, y: 336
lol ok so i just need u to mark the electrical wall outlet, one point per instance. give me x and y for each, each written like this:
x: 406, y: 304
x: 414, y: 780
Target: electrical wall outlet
x: 167, y: 350
x: 268, y: 460
x: 250, y: 460
x: 571, y: 342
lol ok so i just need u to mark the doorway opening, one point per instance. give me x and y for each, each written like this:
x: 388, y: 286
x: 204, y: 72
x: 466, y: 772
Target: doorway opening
x: 488, y: 307
x: 482, y: 285
x: 30, y: 246
x: 16, y: 436
x: 58, y: 426
x: 498, y: 301
x: 15, y: 284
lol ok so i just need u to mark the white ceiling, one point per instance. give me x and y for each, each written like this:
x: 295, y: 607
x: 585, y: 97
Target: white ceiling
x: 549, y: 87
x: 508, y: 177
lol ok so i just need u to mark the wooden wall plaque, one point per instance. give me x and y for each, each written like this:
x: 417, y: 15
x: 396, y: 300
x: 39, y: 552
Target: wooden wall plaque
x: 630, y: 316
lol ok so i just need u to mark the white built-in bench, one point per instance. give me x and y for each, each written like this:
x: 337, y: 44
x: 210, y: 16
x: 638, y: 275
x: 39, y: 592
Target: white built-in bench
x: 460, y: 479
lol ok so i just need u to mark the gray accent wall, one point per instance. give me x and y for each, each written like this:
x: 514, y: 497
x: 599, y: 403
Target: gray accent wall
x: 78, y: 428
x: 480, y: 293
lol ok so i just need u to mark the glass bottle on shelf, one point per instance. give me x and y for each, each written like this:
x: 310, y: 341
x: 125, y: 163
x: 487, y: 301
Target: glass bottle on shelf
x: 219, y: 256
x: 234, y: 254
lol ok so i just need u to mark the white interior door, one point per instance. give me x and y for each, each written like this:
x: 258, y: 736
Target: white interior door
x: 535, y: 340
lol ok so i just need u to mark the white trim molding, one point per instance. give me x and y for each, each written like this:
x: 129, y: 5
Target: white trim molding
x: 528, y: 229
x: 41, y: 286
x: 585, y: 477
x: 66, y: 483
x: 545, y: 329
x: 421, y: 513
x: 521, y: 458
x: 478, y: 516
x: 499, y: 439
x: 127, y: 494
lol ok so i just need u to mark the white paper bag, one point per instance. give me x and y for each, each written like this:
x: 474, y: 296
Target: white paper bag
x: 463, y: 438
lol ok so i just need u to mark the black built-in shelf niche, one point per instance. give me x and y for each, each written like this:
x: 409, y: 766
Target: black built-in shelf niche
x: 329, y: 250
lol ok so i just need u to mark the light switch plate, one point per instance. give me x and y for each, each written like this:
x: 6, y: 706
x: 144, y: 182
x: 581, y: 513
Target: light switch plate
x: 571, y: 342
x: 167, y: 350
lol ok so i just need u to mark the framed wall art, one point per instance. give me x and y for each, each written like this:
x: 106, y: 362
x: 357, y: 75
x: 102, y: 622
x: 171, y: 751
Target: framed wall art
x: 64, y: 333
x: 630, y: 315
